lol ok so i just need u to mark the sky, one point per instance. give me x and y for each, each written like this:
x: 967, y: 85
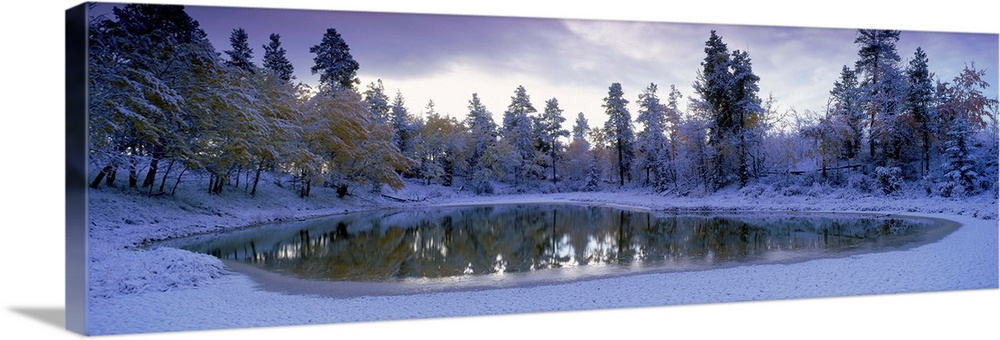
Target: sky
x: 447, y: 58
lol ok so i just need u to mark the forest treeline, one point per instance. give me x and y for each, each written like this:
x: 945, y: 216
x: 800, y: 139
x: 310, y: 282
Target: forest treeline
x: 164, y: 103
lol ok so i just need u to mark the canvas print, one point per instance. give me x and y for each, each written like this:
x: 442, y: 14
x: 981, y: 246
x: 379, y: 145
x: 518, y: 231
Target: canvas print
x: 248, y: 167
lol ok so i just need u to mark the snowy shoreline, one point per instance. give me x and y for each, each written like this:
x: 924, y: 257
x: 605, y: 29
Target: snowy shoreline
x: 165, y: 289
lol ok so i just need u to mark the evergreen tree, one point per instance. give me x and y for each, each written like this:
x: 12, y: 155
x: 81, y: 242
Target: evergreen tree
x: 482, y: 127
x: 402, y: 123
x: 618, y: 127
x: 275, y: 60
x: 651, y: 142
x: 880, y: 83
x: 377, y: 102
x: 551, y: 127
x: 518, y: 131
x: 847, y: 108
x: 714, y: 85
x: 920, y: 96
x: 747, y: 111
x: 334, y: 63
x: 241, y: 56
x: 581, y: 126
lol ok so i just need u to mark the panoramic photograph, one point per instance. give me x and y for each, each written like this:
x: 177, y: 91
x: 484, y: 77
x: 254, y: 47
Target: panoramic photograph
x: 250, y: 167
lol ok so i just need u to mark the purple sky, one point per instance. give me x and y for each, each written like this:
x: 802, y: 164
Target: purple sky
x: 447, y: 57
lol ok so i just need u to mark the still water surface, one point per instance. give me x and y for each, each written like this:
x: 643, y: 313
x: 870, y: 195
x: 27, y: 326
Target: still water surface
x: 479, y: 240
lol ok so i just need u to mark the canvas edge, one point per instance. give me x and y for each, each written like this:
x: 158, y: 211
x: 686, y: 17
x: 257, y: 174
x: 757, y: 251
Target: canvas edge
x: 76, y: 207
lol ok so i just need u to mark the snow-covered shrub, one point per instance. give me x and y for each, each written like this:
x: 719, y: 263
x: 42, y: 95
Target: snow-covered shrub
x: 860, y: 182
x: 792, y: 190
x: 889, y: 180
x: 483, y: 187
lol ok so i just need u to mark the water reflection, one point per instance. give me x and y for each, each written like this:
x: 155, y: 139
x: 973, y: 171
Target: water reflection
x: 504, y: 239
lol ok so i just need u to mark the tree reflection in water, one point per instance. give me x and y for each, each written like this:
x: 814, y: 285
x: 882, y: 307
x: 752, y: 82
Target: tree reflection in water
x: 447, y: 242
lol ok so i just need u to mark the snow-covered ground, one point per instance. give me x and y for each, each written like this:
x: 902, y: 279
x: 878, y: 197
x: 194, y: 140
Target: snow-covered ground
x: 136, y: 290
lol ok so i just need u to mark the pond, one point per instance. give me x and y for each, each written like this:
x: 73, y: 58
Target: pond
x: 570, y: 241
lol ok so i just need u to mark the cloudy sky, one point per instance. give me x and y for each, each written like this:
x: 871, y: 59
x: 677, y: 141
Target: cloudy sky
x: 448, y: 57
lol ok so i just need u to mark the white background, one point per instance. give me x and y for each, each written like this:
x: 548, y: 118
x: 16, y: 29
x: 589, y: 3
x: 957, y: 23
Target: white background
x: 31, y: 187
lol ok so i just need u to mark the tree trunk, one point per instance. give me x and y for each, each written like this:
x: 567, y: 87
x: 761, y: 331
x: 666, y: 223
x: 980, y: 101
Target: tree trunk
x: 174, y: 189
x: 256, y: 178
x: 96, y: 183
x: 111, y: 176
x: 151, y: 174
x: 133, y: 176
x: 621, y: 165
x: 163, y: 181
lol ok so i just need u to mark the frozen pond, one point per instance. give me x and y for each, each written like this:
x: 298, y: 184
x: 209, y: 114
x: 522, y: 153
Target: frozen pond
x: 572, y: 240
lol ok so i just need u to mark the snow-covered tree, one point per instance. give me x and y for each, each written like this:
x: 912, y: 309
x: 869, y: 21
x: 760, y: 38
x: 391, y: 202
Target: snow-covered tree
x: 517, y: 130
x: 746, y: 106
x: 919, y: 103
x: 275, y: 60
x: 619, y: 130
x: 483, y: 130
x: 713, y: 85
x: 580, y: 127
x: 651, y: 142
x: 963, y: 109
x: 142, y: 65
x: 578, y: 155
x: 881, y: 85
x: 846, y: 107
x: 550, y: 124
x: 334, y: 63
x: 241, y: 55
x: 402, y: 124
x: 377, y: 102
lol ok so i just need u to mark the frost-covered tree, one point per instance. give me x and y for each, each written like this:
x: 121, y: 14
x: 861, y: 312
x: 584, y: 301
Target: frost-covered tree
x: 517, y: 130
x: 443, y: 147
x: 483, y: 130
x: 578, y: 155
x: 146, y: 71
x: 746, y: 106
x: 651, y: 142
x: 550, y: 124
x: 241, y: 55
x: 846, y: 107
x: 580, y: 127
x: 334, y: 63
x: 402, y: 123
x: 377, y: 102
x: 713, y: 85
x: 963, y: 109
x: 919, y: 102
x: 961, y: 172
x: 275, y: 60
x: 619, y: 130
x: 880, y: 81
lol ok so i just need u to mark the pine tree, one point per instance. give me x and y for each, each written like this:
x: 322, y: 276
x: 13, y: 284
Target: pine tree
x: 402, y: 123
x: 960, y: 163
x: 377, y: 102
x: 919, y: 99
x: 551, y: 127
x: 581, y: 126
x: 482, y: 128
x: 241, y: 55
x: 334, y: 63
x: 747, y: 111
x: 651, y: 142
x: 275, y: 60
x: 847, y: 108
x: 619, y: 130
x: 880, y: 85
x: 518, y: 131
x: 714, y: 84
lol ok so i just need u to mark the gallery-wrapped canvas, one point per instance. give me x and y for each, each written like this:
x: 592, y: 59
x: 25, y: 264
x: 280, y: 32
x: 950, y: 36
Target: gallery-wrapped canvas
x: 232, y: 167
